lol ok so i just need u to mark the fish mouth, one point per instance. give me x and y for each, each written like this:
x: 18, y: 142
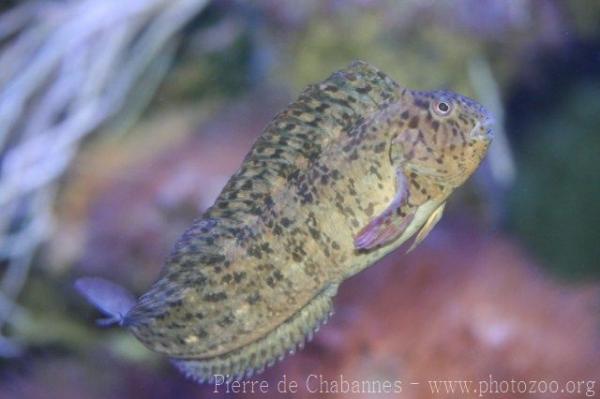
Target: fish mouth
x: 483, y: 129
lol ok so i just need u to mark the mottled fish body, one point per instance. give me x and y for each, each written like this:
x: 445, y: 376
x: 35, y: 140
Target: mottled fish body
x: 352, y: 169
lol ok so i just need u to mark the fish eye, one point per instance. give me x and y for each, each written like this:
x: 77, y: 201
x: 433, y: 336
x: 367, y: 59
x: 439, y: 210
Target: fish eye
x: 442, y: 107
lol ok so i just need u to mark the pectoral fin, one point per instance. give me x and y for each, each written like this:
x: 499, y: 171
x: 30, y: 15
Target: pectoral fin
x: 386, y: 226
x: 428, y: 226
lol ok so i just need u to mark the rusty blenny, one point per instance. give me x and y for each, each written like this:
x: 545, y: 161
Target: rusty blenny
x: 352, y: 169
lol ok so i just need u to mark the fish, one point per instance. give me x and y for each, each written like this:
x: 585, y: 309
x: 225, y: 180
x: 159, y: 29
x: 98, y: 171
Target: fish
x: 352, y: 169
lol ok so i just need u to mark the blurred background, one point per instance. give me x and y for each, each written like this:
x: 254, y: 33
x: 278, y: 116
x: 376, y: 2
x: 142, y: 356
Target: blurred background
x: 120, y: 121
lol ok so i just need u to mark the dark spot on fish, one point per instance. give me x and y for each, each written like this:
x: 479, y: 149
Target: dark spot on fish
x: 322, y: 107
x: 421, y: 104
x: 211, y: 259
x: 379, y: 148
x: 314, y: 233
x: 278, y: 275
x: 215, y: 297
x: 270, y: 282
x: 239, y: 276
x: 254, y: 251
x: 296, y: 256
x: 201, y: 333
x: 414, y: 122
x: 253, y: 298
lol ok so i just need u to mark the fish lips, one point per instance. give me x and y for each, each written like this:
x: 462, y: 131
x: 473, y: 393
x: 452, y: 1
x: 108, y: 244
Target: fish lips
x: 483, y: 130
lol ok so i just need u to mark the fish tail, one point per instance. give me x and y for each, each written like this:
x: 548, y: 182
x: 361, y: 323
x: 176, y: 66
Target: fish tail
x: 109, y: 298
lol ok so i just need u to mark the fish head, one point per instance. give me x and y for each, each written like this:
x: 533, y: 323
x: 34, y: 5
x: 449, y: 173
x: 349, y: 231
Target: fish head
x: 446, y: 135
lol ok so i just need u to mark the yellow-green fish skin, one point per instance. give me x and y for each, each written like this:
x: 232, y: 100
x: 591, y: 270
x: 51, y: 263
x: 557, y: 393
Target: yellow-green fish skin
x: 345, y: 174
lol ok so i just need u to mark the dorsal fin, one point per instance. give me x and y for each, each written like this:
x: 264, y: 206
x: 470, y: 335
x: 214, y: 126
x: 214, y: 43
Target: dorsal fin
x: 264, y: 352
x: 298, y: 134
